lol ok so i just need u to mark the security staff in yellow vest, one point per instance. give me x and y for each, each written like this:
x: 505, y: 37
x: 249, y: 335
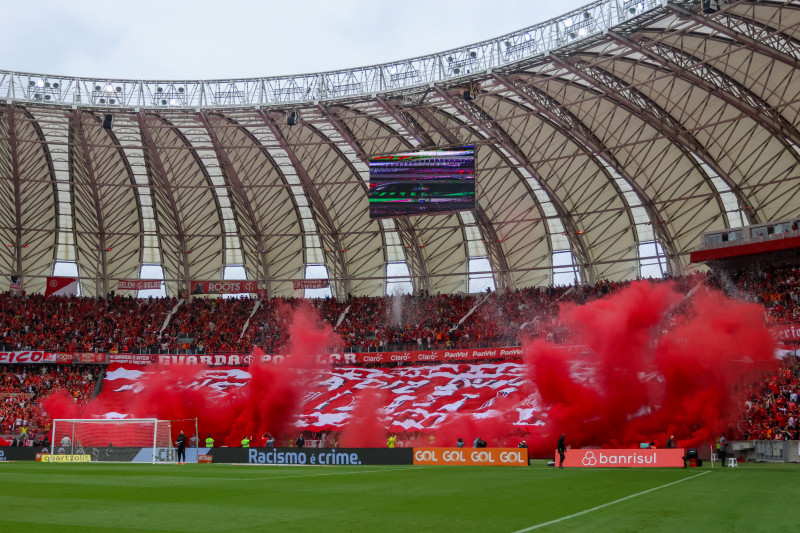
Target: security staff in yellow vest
x: 209, y: 442
x: 245, y: 442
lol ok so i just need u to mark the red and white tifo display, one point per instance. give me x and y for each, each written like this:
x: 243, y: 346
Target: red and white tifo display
x: 631, y: 458
x: 415, y: 398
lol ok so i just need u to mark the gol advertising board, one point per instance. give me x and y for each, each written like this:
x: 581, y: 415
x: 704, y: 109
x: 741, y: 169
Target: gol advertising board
x: 312, y: 456
x: 471, y: 456
x: 636, y: 458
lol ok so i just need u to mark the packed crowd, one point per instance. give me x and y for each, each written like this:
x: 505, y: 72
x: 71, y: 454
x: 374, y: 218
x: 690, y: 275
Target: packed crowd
x: 777, y: 288
x: 71, y: 324
x: 771, y: 411
x: 23, y: 387
x: 401, y: 322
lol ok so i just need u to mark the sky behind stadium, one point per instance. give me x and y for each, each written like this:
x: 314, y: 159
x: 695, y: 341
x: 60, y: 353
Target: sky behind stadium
x: 202, y: 39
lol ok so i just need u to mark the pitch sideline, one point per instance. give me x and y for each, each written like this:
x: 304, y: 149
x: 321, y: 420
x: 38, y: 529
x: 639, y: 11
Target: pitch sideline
x: 597, y: 508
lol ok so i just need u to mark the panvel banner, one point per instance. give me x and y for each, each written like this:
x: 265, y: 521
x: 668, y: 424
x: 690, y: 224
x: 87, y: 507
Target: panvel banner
x: 635, y: 458
x: 57, y: 286
x: 138, y: 284
x: 223, y: 287
x: 310, y: 283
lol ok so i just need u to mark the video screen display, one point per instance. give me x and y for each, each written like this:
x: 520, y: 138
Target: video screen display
x: 422, y: 183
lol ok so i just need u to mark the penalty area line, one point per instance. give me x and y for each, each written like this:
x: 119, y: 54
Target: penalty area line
x: 586, y: 511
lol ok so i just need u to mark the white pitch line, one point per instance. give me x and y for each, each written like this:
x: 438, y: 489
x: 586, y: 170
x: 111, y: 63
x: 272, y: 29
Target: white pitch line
x: 557, y: 520
x: 338, y: 473
x: 347, y: 473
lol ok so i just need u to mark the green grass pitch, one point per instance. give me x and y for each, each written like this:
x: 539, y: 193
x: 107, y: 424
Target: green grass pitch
x: 210, y: 498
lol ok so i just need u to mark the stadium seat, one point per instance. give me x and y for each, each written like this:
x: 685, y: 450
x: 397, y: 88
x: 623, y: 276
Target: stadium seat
x: 714, y: 458
x: 692, y: 463
x: 732, y: 462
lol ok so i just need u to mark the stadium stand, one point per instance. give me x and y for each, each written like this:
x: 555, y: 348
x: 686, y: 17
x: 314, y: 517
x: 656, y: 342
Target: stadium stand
x: 209, y: 325
x: 404, y: 322
x: 23, y: 387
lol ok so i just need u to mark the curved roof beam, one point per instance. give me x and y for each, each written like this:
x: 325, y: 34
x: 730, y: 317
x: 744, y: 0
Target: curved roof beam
x: 329, y: 233
x: 695, y: 71
x: 101, y: 227
x: 487, y: 124
x: 349, y: 137
x: 756, y: 44
x: 418, y: 264
x: 652, y: 114
x: 161, y: 174
x: 127, y: 139
x: 238, y: 189
x: 15, y: 176
x: 492, y: 242
x: 416, y: 259
x: 495, y: 250
x: 264, y: 143
x: 584, y: 137
x: 52, y: 134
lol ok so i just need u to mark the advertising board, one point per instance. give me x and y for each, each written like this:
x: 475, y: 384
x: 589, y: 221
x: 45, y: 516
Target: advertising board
x: 471, y: 456
x: 635, y: 458
x: 313, y: 456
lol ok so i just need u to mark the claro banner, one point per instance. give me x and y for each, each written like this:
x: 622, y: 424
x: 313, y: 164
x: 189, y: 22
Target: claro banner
x: 471, y: 456
x: 312, y: 456
x: 636, y: 458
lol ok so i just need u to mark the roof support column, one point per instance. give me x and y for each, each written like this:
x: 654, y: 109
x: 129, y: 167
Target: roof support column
x: 101, y: 284
x: 165, y: 183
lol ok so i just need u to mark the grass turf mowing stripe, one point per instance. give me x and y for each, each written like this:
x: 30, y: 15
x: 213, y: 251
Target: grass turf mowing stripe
x: 186, y: 499
x: 598, y: 507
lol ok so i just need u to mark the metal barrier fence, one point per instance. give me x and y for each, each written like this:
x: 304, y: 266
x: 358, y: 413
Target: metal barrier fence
x: 768, y: 451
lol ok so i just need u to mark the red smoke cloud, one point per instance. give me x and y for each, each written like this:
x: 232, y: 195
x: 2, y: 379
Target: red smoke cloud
x: 268, y: 402
x: 365, y: 429
x: 660, y: 364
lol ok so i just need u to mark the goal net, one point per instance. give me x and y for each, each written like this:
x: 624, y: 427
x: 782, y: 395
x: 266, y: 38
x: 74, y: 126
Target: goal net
x: 122, y: 440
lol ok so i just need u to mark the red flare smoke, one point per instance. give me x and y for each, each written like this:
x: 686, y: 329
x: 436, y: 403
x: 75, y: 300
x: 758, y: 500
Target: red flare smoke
x: 268, y: 402
x: 660, y: 364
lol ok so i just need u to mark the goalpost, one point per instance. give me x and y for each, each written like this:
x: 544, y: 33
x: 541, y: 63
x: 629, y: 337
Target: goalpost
x: 119, y: 440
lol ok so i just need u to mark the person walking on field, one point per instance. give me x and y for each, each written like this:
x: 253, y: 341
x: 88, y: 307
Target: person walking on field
x: 723, y: 449
x: 562, y: 450
x: 180, y: 442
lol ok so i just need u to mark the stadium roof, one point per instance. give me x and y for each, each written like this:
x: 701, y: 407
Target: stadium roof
x: 607, y: 140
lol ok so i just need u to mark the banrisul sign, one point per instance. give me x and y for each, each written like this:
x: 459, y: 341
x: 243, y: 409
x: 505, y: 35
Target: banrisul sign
x: 313, y: 456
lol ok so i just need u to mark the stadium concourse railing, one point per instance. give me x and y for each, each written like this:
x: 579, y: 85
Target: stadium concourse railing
x: 399, y: 77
